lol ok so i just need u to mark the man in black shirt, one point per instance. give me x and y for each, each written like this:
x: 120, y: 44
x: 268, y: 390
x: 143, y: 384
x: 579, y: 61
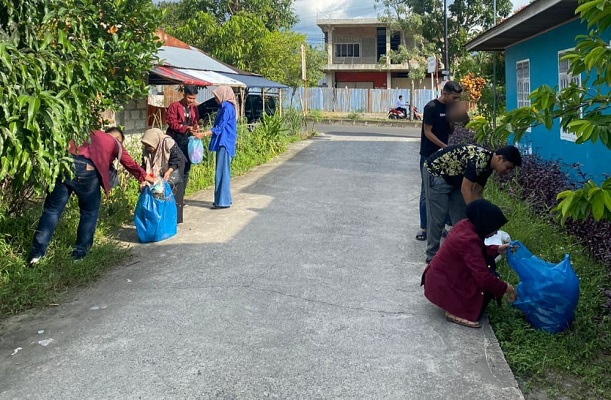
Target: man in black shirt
x: 455, y: 176
x: 436, y: 128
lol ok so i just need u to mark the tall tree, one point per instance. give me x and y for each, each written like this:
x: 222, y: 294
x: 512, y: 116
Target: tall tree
x: 61, y: 63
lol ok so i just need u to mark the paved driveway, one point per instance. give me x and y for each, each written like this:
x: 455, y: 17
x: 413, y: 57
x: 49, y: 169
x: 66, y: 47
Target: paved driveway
x: 307, y: 288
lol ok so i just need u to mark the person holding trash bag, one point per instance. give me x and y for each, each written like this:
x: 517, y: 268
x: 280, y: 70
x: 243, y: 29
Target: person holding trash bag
x: 161, y: 158
x: 223, y: 139
x: 458, y: 279
x: 182, y: 119
x: 92, y: 164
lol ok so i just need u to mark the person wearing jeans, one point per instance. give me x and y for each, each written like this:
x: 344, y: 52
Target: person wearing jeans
x: 92, y: 162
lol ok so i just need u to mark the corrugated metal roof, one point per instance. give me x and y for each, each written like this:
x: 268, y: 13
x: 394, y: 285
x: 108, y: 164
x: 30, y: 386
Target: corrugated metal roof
x: 254, y: 81
x: 191, y: 59
x: 169, y: 75
x: 215, y: 78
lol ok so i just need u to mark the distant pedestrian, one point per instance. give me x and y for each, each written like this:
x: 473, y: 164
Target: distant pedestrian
x: 162, y: 158
x: 182, y: 119
x: 223, y: 140
x: 458, y: 279
x: 436, y: 129
x: 92, y: 163
x: 455, y: 176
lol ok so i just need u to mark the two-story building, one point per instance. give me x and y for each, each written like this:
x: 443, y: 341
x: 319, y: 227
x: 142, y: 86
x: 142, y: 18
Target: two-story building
x: 355, y: 47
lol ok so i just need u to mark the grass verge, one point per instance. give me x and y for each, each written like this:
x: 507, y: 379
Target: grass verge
x: 575, y: 364
x: 22, y: 288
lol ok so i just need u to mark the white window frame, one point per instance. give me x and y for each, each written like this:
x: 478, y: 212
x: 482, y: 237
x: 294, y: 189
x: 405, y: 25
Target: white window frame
x: 523, y: 85
x: 564, y: 80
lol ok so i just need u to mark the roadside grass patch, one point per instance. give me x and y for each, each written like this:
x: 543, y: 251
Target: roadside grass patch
x: 22, y: 288
x: 575, y: 364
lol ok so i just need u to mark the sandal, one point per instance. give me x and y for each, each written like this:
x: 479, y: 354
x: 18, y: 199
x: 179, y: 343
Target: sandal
x: 421, y: 235
x: 462, y: 321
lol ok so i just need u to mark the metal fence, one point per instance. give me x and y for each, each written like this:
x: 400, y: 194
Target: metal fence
x: 352, y: 100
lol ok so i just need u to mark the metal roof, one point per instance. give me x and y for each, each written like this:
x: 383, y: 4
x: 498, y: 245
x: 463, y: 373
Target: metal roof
x: 254, y: 81
x: 537, y: 17
x: 170, y: 76
x: 191, y: 58
x: 215, y: 78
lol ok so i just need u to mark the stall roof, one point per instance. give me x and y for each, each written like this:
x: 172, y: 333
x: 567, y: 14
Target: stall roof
x: 168, y: 76
x: 255, y: 81
x: 191, y: 58
x: 215, y: 78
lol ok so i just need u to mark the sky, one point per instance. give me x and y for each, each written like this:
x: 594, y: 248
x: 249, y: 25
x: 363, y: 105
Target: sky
x: 309, y: 10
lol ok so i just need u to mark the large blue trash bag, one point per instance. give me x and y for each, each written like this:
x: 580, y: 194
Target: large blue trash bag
x: 155, y: 215
x: 196, y: 150
x: 547, y: 293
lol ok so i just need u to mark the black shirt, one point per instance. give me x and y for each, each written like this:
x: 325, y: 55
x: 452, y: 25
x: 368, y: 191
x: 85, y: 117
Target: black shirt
x: 435, y: 115
x: 453, y: 163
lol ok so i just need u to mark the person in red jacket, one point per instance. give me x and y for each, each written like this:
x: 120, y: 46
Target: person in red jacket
x: 182, y: 119
x: 92, y: 163
x: 458, y: 278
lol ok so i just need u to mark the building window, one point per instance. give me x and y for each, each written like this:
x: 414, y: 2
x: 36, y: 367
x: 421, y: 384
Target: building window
x: 565, y: 78
x: 347, y: 50
x: 523, y: 78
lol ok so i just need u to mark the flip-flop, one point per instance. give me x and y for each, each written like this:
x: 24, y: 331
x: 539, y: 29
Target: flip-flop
x: 421, y: 235
x: 462, y: 321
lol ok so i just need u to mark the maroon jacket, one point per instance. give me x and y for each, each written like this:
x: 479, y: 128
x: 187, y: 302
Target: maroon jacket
x: 102, y: 149
x: 458, y: 276
x: 175, y: 118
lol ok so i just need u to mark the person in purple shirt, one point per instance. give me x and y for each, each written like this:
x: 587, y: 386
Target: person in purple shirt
x: 223, y: 139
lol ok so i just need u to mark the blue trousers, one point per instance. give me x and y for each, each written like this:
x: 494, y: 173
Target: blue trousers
x: 85, y: 184
x: 222, y: 177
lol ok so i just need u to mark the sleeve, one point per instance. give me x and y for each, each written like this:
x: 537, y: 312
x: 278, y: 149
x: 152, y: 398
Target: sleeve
x: 473, y: 257
x: 175, y: 161
x: 221, y: 120
x: 131, y: 166
x: 174, y: 119
x: 428, y: 116
x: 492, y: 251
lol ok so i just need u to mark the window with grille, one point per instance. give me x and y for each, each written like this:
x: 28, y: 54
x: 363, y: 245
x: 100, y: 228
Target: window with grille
x: 347, y: 50
x: 523, y: 79
x: 565, y: 78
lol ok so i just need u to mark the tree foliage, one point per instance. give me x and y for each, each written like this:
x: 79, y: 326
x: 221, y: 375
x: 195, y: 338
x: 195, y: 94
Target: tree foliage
x: 62, y: 62
x: 582, y: 109
x: 245, y: 39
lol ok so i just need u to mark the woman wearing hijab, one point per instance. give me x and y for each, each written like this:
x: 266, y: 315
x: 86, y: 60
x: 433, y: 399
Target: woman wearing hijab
x: 458, y: 278
x: 161, y: 158
x: 223, y: 139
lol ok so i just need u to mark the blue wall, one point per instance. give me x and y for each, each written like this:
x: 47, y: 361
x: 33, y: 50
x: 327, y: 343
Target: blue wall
x: 542, y: 52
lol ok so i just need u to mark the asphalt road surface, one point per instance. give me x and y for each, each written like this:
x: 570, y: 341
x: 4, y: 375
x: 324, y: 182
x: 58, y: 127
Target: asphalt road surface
x: 308, y: 287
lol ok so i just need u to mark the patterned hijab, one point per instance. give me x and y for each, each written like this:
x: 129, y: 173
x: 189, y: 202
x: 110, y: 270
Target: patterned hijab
x: 225, y: 93
x: 157, y: 162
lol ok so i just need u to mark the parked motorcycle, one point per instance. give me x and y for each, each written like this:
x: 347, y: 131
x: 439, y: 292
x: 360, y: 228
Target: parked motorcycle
x: 394, y: 113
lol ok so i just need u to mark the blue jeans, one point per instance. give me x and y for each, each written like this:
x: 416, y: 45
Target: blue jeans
x: 85, y: 184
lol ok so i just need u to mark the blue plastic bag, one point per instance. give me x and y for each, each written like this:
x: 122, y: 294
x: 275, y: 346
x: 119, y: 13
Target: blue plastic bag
x: 155, y: 217
x: 547, y: 293
x: 196, y: 150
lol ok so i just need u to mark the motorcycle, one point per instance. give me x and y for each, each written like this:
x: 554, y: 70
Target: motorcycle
x: 394, y: 113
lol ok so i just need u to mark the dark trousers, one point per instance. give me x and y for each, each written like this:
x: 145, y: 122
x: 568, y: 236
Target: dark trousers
x: 86, y: 186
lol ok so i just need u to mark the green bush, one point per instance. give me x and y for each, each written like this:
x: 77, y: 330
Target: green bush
x: 22, y: 287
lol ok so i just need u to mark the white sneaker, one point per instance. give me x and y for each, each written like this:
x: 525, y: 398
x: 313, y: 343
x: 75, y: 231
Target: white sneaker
x: 34, y: 260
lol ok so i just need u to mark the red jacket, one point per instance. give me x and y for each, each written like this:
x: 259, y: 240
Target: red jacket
x: 458, y: 276
x: 102, y: 149
x: 175, y: 118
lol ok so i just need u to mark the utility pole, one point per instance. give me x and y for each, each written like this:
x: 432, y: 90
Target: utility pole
x: 446, y: 60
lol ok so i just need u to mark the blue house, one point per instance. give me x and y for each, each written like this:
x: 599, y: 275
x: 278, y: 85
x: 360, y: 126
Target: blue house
x: 534, y: 40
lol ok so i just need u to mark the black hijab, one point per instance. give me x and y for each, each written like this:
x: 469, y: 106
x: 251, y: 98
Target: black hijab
x: 486, y: 217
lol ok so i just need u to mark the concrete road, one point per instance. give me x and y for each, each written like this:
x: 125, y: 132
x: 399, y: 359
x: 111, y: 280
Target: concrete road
x: 307, y: 288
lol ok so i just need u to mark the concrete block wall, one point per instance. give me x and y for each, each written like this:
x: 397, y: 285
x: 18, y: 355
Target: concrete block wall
x: 133, y: 116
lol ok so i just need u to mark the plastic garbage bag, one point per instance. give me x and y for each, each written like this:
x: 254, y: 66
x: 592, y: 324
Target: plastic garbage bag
x: 196, y: 150
x: 547, y: 293
x: 155, y: 215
